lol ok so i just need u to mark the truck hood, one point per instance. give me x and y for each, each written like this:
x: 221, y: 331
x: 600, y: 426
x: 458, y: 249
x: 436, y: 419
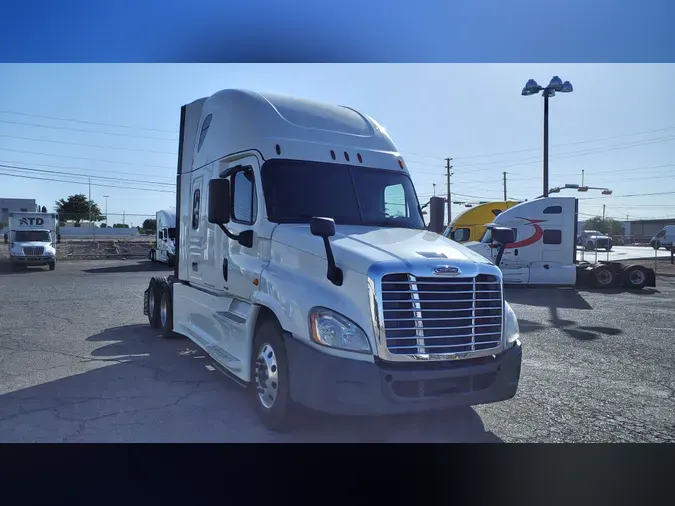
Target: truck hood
x: 34, y: 243
x: 359, y: 247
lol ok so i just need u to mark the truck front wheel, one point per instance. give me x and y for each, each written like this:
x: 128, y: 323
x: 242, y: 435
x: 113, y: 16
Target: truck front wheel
x: 270, y: 385
x: 52, y: 266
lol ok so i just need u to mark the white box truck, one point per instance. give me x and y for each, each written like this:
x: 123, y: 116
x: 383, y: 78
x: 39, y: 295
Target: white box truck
x: 32, y: 239
x: 165, y: 237
x: 305, y: 270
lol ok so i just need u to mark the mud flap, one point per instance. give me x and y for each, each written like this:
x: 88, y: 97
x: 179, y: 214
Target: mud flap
x: 145, y: 301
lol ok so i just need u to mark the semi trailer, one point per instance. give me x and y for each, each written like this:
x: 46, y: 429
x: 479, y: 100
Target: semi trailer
x: 32, y: 239
x: 305, y: 270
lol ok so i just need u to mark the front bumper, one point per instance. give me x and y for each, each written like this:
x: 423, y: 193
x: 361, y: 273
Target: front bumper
x: 42, y: 260
x: 341, y: 386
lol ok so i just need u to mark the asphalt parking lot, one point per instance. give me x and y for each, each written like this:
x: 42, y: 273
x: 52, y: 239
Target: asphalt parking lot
x: 78, y: 363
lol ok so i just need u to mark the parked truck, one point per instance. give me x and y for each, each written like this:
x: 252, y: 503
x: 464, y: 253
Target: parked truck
x: 32, y: 239
x: 165, y: 238
x: 305, y: 270
x: 470, y: 225
x: 545, y: 249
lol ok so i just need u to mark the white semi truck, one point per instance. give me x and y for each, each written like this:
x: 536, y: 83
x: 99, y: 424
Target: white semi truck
x: 165, y: 237
x: 32, y: 239
x: 305, y: 270
x: 545, y: 249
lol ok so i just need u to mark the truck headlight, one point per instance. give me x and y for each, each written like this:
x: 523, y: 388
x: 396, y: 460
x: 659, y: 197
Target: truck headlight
x: 511, y: 327
x: 329, y: 328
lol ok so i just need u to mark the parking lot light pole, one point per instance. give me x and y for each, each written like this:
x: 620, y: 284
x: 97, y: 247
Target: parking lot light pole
x: 532, y: 88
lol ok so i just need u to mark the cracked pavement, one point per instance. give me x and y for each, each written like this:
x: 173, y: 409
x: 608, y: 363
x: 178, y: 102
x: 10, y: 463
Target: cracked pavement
x: 78, y: 363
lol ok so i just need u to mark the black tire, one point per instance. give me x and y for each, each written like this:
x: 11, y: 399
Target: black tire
x: 608, y: 248
x: 52, y: 266
x: 170, y: 260
x: 590, y: 246
x: 279, y: 413
x: 166, y: 310
x: 603, y: 277
x: 155, y: 290
x: 656, y: 245
x: 634, y: 277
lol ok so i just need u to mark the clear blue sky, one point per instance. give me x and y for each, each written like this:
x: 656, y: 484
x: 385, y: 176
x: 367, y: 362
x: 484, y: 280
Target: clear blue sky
x: 617, y: 125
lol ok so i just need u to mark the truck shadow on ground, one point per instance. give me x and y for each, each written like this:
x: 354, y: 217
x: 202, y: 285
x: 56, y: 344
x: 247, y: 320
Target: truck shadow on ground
x: 554, y: 299
x: 142, y: 388
x: 6, y: 269
x: 132, y: 266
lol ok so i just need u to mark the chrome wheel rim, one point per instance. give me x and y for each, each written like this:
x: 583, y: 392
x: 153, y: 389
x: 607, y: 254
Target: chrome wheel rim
x: 266, y: 375
x: 164, y: 309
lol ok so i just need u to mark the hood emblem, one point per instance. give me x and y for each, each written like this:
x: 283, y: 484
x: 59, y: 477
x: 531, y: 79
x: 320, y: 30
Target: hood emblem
x: 447, y: 270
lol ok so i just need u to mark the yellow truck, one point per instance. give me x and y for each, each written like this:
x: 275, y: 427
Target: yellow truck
x: 470, y: 225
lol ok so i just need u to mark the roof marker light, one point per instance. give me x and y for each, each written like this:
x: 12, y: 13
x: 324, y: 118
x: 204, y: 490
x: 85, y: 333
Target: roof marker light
x: 278, y: 149
x: 401, y: 164
x: 346, y: 156
x: 332, y: 154
x: 358, y: 155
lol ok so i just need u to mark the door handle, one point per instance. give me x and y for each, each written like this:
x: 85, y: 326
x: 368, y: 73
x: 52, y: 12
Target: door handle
x: 225, y: 266
x: 515, y: 252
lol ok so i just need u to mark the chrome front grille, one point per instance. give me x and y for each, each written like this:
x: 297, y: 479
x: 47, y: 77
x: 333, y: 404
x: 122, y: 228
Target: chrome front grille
x: 33, y: 251
x: 432, y: 315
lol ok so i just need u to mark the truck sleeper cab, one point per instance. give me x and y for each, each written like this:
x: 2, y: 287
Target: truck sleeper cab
x: 164, y: 250
x: 305, y: 271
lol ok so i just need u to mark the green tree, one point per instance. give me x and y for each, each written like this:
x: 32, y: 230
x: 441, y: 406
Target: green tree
x: 77, y: 208
x: 607, y: 226
x: 150, y: 224
x: 120, y: 225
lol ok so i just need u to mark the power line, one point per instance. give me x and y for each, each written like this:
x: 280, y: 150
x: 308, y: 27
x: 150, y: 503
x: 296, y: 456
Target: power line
x: 81, y: 182
x: 68, y: 174
x: 553, y: 145
x: 87, y: 145
x: 87, y: 122
x: 90, y: 159
x: 83, y: 168
x: 138, y: 136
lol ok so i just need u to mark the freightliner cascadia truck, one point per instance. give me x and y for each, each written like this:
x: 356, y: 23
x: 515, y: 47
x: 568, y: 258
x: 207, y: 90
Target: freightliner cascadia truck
x: 304, y: 268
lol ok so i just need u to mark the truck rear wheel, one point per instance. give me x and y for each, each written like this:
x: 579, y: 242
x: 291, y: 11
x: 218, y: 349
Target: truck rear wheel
x: 154, y: 294
x: 634, y: 277
x: 603, y: 277
x: 166, y: 310
x: 270, y: 385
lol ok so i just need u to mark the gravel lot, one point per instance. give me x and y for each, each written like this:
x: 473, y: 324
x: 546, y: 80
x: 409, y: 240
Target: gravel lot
x: 78, y: 363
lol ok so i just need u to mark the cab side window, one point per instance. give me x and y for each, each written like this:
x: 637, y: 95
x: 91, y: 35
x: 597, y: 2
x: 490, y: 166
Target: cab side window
x: 244, y: 197
x: 395, y: 205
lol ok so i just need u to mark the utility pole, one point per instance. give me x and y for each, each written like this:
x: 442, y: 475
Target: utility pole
x: 93, y: 231
x: 582, y: 177
x: 504, y: 186
x: 107, y: 223
x: 448, y: 174
x: 434, y: 184
x: 603, y: 212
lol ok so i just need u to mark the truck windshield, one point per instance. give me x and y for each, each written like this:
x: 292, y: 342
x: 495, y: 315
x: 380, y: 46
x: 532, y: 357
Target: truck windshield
x: 295, y: 191
x: 32, y: 235
x: 172, y: 233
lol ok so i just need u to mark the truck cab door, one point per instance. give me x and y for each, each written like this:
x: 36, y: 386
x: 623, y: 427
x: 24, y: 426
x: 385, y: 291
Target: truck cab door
x: 239, y: 266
